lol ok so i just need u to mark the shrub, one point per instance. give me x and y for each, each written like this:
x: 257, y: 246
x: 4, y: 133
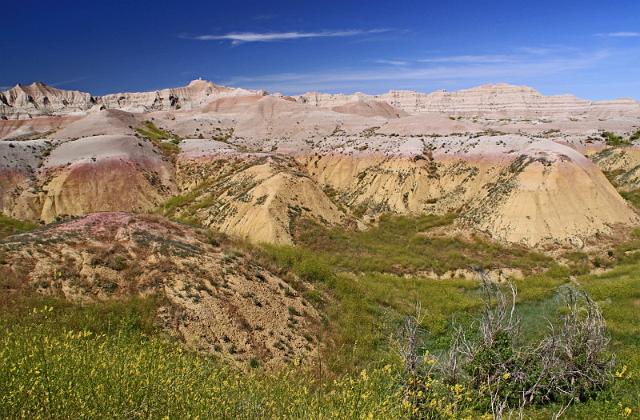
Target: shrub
x: 613, y: 139
x: 505, y: 374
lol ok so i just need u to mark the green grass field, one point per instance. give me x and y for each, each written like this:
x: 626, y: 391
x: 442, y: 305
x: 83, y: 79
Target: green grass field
x: 61, y: 360
x: 10, y: 226
x: 398, y: 244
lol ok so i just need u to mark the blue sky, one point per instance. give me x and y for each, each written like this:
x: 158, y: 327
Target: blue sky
x: 586, y: 47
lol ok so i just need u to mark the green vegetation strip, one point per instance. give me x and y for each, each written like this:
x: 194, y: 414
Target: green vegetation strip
x: 10, y: 226
x: 164, y: 140
x: 401, y: 244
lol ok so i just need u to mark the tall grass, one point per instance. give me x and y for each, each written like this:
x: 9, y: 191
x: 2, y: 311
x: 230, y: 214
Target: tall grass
x: 119, y: 370
x: 403, y: 244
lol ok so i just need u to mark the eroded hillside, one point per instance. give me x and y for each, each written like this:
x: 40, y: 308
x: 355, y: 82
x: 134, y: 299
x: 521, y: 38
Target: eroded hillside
x: 215, y: 297
x: 509, y: 161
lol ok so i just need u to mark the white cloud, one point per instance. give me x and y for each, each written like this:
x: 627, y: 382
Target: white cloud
x: 516, y: 68
x: 241, y: 37
x: 391, y: 62
x: 519, y: 55
x: 70, y: 81
x: 620, y: 34
x: 470, y: 59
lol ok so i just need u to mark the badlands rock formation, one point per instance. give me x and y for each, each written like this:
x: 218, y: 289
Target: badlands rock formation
x: 508, y: 160
x: 197, y: 93
x: 214, y: 297
x: 41, y: 181
x: 622, y: 165
x: 254, y: 196
x: 499, y: 99
x: 40, y: 99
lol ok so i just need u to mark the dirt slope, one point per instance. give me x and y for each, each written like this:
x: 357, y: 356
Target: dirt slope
x: 255, y: 197
x: 214, y: 297
x: 99, y: 173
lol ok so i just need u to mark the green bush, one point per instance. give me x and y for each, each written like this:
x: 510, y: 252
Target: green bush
x: 506, y: 373
x: 612, y: 139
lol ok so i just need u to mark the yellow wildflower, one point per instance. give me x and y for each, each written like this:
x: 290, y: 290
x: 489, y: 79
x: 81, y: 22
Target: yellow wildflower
x: 620, y: 373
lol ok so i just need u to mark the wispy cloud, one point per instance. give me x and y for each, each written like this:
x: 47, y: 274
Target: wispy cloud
x: 242, y: 37
x: 469, y: 59
x: 391, y: 62
x: 68, y: 82
x: 493, y: 68
x: 266, y: 16
x: 620, y: 34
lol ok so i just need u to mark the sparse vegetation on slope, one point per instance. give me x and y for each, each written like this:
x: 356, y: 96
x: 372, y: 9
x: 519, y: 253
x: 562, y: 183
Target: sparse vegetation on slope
x: 403, y: 244
x: 631, y: 195
x: 215, y: 297
x: 164, y: 140
x: 612, y: 139
x: 11, y: 226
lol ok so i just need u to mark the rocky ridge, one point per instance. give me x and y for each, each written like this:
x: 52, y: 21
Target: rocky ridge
x: 508, y: 160
x: 25, y: 101
x: 38, y: 99
x: 493, y: 99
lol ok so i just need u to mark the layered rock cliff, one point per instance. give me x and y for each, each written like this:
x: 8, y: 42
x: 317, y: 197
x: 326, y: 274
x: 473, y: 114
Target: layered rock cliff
x: 195, y: 94
x: 488, y: 99
x: 38, y: 99
x: 26, y: 101
x: 506, y: 159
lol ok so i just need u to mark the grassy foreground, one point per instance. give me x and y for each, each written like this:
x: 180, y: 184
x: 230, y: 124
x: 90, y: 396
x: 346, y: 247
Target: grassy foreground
x: 60, y: 360
x: 66, y: 361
